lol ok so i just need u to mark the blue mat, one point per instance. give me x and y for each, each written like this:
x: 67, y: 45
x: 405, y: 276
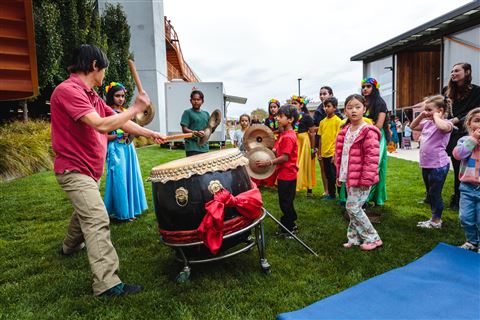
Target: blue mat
x: 443, y: 284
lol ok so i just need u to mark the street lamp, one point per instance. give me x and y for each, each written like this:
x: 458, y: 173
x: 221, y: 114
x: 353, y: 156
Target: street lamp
x: 299, y: 79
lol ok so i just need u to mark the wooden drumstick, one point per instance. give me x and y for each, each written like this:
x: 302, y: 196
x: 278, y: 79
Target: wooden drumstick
x: 178, y: 136
x: 136, y: 78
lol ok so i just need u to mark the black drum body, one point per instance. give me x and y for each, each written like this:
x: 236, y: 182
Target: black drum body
x: 180, y: 205
x: 181, y: 189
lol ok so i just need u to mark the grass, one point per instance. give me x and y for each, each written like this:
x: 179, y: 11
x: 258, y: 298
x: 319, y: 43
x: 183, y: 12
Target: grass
x: 35, y: 282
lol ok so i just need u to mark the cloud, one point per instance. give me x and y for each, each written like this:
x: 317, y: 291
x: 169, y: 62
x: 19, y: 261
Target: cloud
x: 259, y: 49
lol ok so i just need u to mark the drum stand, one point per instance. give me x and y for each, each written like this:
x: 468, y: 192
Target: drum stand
x: 290, y: 233
x: 258, y: 240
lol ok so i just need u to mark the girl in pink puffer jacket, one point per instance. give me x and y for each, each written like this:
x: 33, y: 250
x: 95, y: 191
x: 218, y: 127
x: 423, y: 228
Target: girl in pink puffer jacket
x: 357, y: 152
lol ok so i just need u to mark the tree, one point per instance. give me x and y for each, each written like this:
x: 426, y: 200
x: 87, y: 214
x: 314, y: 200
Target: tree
x: 260, y: 113
x: 117, y: 31
x: 48, y: 40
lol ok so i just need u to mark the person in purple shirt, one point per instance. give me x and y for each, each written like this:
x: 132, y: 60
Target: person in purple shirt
x: 434, y: 160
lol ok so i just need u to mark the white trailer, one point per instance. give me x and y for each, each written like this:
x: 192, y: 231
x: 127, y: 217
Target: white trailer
x: 177, y: 100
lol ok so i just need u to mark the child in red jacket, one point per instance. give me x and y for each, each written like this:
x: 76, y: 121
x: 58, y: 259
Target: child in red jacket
x: 357, y: 153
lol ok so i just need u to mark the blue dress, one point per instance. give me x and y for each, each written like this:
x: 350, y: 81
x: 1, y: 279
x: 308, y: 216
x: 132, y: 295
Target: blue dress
x: 124, y: 192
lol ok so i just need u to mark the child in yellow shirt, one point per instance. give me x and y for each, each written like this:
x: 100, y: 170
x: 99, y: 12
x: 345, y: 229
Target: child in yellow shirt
x: 328, y: 130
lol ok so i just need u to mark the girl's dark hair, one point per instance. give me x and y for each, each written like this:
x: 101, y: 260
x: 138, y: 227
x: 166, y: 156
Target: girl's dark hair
x: 375, y: 106
x: 355, y: 96
x: 330, y: 91
x: 351, y: 97
x: 194, y: 92
x: 83, y: 57
x: 276, y: 102
x: 245, y: 115
x: 455, y: 92
x: 109, y: 97
x: 290, y: 111
x: 374, y: 99
x: 332, y: 100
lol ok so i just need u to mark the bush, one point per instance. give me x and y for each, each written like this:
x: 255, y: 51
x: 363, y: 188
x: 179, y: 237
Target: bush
x: 26, y: 148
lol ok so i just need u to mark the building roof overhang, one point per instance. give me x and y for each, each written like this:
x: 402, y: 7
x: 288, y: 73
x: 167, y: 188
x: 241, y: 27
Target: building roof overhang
x: 426, y: 36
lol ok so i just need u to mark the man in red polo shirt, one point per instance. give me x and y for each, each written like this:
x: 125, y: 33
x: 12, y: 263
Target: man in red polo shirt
x: 80, y: 123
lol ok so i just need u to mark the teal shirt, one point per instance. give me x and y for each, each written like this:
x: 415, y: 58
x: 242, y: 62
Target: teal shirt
x: 195, y: 120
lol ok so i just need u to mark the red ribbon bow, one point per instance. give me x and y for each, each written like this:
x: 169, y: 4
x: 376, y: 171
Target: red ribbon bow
x: 248, y: 204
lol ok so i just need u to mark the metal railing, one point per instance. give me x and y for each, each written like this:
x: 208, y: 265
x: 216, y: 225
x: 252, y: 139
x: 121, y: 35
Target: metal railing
x: 172, y: 37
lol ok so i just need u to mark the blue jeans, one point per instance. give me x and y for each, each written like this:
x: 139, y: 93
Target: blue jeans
x: 470, y: 211
x: 434, y: 180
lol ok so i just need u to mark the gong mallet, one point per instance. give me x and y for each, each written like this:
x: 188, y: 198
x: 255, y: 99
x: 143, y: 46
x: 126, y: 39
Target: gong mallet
x: 213, y: 123
x: 290, y: 233
x: 145, y: 117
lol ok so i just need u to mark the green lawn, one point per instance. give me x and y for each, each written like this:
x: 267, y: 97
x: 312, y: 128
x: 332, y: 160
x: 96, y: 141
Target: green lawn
x: 35, y: 282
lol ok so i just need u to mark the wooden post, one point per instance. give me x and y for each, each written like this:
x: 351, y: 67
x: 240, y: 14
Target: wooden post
x: 23, y: 103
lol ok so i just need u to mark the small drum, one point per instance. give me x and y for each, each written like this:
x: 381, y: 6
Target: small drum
x: 180, y: 187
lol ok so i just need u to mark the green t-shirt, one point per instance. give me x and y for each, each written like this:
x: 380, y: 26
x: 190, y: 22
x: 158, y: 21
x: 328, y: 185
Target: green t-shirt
x: 195, y: 120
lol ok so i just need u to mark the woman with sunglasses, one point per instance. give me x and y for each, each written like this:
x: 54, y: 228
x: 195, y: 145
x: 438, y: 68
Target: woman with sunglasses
x: 377, y: 111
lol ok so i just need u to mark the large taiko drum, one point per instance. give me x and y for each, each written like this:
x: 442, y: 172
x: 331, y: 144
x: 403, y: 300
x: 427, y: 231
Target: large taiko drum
x: 180, y: 187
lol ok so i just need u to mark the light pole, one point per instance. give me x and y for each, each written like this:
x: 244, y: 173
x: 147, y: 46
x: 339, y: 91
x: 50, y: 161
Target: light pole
x: 299, y: 79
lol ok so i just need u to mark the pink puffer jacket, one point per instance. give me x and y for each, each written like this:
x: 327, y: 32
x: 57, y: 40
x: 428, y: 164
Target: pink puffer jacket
x: 363, y: 156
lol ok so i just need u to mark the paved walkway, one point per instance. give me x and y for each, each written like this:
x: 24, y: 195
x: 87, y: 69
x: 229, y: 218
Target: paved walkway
x: 410, y: 154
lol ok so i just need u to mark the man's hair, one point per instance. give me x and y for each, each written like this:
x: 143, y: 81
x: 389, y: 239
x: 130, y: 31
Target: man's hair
x: 332, y: 100
x: 290, y: 111
x: 83, y: 57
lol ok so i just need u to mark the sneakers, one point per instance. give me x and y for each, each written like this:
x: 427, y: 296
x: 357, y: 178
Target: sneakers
x: 470, y: 246
x: 429, y: 224
x: 72, y: 252
x: 327, y: 197
x: 368, y: 246
x: 283, y: 233
x: 424, y: 201
x: 349, y: 244
x: 122, y: 289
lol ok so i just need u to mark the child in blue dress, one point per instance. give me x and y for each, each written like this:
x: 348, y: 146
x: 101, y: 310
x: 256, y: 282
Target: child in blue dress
x: 124, y: 193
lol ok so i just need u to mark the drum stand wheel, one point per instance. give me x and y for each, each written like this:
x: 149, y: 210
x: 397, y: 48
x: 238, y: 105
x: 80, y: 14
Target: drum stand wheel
x: 259, y: 240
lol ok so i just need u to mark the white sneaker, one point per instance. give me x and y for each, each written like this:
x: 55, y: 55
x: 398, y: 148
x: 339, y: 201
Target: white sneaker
x: 469, y: 246
x: 429, y: 224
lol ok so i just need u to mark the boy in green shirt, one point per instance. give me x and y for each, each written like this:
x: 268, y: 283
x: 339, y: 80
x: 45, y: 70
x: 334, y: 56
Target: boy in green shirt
x: 194, y: 121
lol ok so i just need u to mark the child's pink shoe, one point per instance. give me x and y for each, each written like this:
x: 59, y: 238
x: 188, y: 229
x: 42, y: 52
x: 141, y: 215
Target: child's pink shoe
x: 367, y: 246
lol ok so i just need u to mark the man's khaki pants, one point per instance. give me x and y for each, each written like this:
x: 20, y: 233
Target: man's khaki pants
x: 90, y: 223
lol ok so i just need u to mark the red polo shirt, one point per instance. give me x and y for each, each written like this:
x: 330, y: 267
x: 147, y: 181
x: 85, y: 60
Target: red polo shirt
x: 287, y: 144
x: 77, y: 146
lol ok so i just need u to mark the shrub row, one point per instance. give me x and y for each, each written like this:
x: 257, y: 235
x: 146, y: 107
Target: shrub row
x: 26, y: 148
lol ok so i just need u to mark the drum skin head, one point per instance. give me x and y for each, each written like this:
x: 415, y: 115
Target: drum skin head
x: 259, y: 153
x: 258, y: 135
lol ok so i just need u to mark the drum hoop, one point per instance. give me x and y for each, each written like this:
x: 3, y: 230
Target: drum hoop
x: 200, y: 168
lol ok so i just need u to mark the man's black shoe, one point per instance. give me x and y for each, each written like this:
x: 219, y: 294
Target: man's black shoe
x: 122, y: 289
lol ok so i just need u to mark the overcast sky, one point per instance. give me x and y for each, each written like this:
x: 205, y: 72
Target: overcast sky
x: 259, y: 49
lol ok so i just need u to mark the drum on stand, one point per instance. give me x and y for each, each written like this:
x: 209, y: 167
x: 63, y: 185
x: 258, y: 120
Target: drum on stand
x: 181, y: 190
